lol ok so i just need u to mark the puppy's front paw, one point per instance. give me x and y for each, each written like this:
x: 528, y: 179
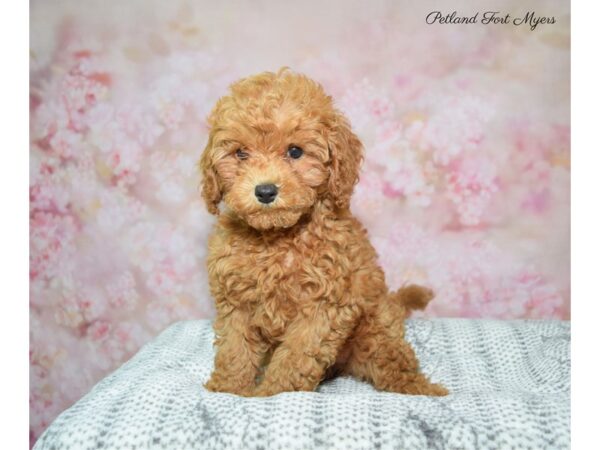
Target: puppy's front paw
x: 230, y: 386
x: 265, y: 390
x: 212, y: 385
x: 437, y: 390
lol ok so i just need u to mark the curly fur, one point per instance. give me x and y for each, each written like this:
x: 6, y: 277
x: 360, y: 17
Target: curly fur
x: 299, y: 294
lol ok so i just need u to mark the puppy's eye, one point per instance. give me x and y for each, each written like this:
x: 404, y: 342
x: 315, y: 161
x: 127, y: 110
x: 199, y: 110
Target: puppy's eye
x: 295, y: 152
x: 241, y: 154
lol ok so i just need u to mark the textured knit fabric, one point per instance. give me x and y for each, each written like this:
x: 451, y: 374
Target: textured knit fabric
x: 509, y: 385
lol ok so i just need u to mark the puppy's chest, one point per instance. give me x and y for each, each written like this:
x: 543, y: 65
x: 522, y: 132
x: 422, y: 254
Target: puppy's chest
x: 275, y: 277
x: 260, y: 274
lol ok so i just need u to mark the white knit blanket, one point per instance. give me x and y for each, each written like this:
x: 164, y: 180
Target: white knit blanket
x: 509, y: 383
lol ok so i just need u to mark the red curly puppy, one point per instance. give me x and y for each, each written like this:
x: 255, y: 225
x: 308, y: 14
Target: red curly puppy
x: 298, y: 290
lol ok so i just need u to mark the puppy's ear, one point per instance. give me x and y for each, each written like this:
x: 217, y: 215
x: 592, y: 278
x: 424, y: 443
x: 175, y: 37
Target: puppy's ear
x: 346, y: 153
x: 211, y: 192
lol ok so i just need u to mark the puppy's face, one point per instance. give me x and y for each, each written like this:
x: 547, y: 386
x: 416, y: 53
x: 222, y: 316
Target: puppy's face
x: 277, y: 146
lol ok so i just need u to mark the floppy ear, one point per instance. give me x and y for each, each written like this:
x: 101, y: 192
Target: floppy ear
x: 211, y: 192
x: 346, y: 153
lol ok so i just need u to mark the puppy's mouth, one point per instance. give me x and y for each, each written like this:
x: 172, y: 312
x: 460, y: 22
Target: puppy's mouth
x: 278, y: 214
x: 274, y: 218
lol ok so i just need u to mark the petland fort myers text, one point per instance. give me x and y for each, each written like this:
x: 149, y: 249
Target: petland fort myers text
x: 531, y: 19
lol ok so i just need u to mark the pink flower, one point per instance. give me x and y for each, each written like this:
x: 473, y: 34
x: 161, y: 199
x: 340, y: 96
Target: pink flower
x: 78, y: 93
x: 471, y: 184
x: 122, y: 292
x: 51, y: 242
x: 457, y: 125
x: 65, y: 142
x: 99, y: 330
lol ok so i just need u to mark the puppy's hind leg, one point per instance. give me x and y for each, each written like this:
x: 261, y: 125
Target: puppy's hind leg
x: 380, y: 354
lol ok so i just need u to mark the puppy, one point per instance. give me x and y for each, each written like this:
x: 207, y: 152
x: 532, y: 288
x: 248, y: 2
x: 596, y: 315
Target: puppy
x: 298, y: 291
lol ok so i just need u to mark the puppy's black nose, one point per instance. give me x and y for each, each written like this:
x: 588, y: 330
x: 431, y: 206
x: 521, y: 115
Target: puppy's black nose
x: 265, y: 193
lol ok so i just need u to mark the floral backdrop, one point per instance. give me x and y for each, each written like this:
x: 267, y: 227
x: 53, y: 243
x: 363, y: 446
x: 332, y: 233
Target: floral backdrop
x: 465, y: 185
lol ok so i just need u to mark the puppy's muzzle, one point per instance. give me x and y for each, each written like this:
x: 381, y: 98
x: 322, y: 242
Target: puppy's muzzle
x: 265, y: 193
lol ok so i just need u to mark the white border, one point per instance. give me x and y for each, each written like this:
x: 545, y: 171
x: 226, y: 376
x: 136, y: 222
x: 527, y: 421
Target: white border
x: 585, y: 222
x: 14, y: 188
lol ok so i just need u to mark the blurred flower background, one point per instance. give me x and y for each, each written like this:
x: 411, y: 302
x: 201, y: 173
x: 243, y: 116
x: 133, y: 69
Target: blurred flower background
x: 465, y: 186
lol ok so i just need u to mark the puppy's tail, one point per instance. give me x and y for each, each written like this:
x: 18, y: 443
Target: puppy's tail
x: 413, y: 296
